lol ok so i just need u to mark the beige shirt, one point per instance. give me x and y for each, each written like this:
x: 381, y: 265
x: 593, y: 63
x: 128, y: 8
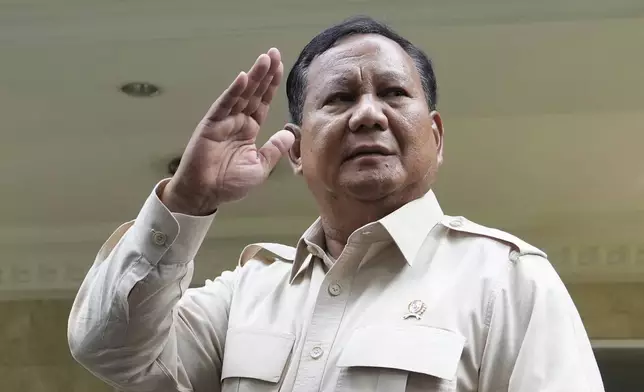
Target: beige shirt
x: 418, y: 301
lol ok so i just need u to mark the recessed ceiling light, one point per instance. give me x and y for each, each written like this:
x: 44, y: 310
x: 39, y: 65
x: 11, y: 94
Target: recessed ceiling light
x: 140, y: 89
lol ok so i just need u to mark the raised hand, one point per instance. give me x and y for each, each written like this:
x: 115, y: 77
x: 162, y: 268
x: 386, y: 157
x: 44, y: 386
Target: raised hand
x: 221, y: 162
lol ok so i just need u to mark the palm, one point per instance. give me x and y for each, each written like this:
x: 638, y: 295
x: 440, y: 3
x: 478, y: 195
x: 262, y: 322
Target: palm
x: 222, y: 158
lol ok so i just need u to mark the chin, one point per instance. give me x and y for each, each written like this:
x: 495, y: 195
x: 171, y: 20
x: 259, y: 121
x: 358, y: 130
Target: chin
x: 370, y: 188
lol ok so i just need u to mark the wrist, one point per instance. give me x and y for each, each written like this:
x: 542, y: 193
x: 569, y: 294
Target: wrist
x: 180, y: 200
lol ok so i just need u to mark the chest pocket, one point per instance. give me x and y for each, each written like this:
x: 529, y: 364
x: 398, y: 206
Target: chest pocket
x: 396, y: 359
x: 255, y: 360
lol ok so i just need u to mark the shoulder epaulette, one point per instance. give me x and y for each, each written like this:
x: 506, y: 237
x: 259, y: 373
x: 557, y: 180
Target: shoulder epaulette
x: 463, y: 225
x: 267, y: 252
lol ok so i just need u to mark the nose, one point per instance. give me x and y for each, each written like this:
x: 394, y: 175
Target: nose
x: 368, y: 114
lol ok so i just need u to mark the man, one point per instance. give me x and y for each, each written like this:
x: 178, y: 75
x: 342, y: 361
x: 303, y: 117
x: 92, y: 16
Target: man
x: 382, y: 293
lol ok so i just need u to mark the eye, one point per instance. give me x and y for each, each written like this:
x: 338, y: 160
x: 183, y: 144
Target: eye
x: 339, y: 98
x: 393, y: 92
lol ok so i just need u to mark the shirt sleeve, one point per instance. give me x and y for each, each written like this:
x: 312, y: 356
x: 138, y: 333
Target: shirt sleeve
x: 536, y: 340
x: 134, y: 322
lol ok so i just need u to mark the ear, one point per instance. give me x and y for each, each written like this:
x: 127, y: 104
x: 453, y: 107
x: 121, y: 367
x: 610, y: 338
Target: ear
x: 295, y: 153
x: 437, y: 129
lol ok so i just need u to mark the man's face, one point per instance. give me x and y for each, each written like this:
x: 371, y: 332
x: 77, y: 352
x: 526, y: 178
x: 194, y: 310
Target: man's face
x: 367, y: 131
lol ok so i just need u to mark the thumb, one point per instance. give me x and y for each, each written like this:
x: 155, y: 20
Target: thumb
x: 276, y: 147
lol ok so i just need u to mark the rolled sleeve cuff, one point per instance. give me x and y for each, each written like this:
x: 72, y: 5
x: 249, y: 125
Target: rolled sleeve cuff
x: 167, y: 237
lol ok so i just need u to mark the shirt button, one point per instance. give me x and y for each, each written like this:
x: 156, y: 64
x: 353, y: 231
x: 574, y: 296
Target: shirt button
x: 457, y: 222
x: 311, y: 249
x: 514, y: 256
x: 159, y: 238
x: 335, y: 289
x: 316, y: 352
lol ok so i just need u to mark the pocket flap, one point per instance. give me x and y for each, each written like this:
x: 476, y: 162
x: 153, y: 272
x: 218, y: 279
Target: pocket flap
x: 259, y: 355
x: 420, y: 349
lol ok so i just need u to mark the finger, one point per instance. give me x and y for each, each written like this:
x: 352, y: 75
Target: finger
x: 275, y: 148
x: 275, y: 55
x: 274, y: 76
x: 222, y: 106
x: 263, y: 104
x: 257, y: 99
x: 256, y: 76
x: 268, y: 95
x: 250, y: 103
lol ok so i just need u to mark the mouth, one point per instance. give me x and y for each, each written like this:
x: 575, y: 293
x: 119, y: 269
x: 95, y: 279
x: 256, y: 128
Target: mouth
x: 364, y: 151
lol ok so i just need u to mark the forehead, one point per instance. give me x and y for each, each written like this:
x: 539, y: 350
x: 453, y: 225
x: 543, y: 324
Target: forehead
x: 362, y: 55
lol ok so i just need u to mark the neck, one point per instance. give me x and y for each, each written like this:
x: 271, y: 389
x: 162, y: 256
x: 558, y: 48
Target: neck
x: 341, y: 216
x: 339, y: 223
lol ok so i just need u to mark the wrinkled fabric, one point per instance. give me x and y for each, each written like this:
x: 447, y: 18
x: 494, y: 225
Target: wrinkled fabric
x: 418, y: 301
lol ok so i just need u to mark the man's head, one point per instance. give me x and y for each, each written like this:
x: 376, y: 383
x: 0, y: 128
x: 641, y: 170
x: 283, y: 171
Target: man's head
x: 362, y: 101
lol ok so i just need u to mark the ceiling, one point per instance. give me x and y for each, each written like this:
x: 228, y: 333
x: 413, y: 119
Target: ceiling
x: 543, y: 103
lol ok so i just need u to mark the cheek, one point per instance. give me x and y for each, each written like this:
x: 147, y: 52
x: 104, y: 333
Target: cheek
x: 314, y: 155
x: 414, y: 140
x: 419, y: 150
x: 322, y: 144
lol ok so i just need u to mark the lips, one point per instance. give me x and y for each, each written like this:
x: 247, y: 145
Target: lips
x: 367, y: 150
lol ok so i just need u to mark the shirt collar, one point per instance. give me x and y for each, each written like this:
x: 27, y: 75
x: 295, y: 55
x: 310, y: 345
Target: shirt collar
x: 408, y: 227
x: 311, y: 243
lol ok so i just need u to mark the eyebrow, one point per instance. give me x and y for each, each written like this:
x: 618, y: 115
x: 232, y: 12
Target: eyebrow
x: 393, y: 75
x: 339, y: 80
x: 387, y: 75
x: 335, y: 83
x: 348, y: 79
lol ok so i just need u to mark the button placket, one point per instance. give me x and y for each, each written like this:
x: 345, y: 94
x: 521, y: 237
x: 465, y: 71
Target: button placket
x: 317, y: 352
x: 327, y: 317
x: 335, y: 289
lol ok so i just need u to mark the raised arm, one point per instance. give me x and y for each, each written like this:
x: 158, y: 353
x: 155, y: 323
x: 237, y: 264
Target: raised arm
x: 134, y: 322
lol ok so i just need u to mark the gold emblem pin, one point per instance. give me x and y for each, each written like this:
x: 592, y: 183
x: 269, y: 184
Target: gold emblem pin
x: 416, y: 309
